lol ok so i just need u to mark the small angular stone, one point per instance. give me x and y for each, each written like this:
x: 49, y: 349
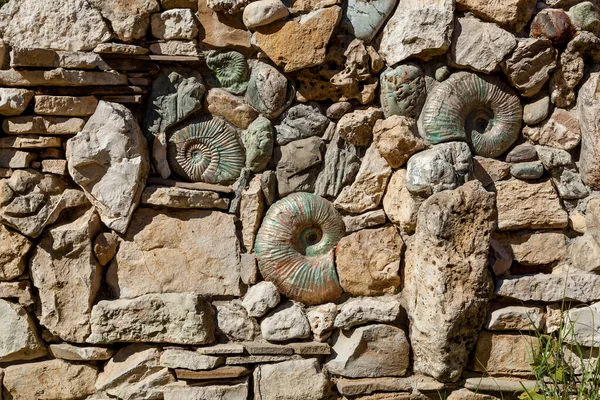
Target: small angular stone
x: 286, y: 322
x: 367, y: 220
x: 233, y: 321
x: 129, y: 19
x: 515, y: 318
x: 299, y: 122
x: 13, y: 249
x: 397, y: 139
x: 69, y: 352
x: 234, y: 109
x: 364, y: 19
x: 188, y: 359
x: 356, y: 127
x: 365, y: 310
x: 57, y: 167
x: 321, y: 319
x: 292, y: 380
x: 553, y: 24
x: 529, y: 66
x: 260, y: 298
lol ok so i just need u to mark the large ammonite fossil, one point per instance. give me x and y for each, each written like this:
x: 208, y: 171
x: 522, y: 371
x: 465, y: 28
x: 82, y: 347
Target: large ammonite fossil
x: 230, y: 69
x: 478, y: 109
x: 206, y: 151
x: 295, y: 246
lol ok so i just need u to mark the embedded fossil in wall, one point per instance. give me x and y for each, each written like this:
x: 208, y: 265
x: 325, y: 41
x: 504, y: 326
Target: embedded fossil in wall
x: 206, y: 151
x: 403, y: 90
x: 478, y: 109
x: 295, y: 245
x: 230, y: 69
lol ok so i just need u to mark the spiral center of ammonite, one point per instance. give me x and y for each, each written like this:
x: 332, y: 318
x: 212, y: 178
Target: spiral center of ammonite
x: 480, y: 121
x: 308, y: 237
x: 197, y: 154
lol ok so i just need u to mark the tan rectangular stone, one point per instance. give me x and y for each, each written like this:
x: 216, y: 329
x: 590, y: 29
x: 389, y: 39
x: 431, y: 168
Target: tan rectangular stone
x: 190, y: 185
x: 60, y: 77
x: 504, y: 354
x: 550, y: 288
x: 175, y: 197
x: 225, y: 348
x: 30, y: 142
x: 257, y: 348
x: 356, y: 387
x: 66, y: 106
x: 218, y: 373
x: 58, y: 167
x: 311, y: 348
x: 46, y: 58
x: 30, y: 124
x: 257, y: 359
x: 10, y: 158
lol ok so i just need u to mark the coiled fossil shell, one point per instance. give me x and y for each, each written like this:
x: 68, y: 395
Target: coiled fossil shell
x: 206, y: 151
x: 230, y: 69
x: 295, y: 246
x: 478, y: 109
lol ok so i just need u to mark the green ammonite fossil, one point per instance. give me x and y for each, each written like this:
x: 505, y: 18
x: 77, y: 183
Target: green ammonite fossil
x: 206, y: 151
x: 230, y: 69
x: 475, y: 108
x: 295, y: 246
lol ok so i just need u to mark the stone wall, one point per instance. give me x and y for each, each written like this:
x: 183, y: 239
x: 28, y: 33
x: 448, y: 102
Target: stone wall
x: 223, y: 199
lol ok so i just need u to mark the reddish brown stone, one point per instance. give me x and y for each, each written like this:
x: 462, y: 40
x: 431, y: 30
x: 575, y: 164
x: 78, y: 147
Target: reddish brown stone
x: 553, y: 24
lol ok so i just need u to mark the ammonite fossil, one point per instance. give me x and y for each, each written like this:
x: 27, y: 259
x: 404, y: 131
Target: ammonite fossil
x: 478, y: 109
x: 402, y: 90
x: 230, y: 69
x: 206, y: 151
x: 295, y: 246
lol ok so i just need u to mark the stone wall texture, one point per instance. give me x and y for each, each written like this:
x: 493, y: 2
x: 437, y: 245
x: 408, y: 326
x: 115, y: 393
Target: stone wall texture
x: 295, y: 199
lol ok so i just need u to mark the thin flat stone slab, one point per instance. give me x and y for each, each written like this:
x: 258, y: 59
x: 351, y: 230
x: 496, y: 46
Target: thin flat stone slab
x: 38, y: 125
x: 60, y: 77
x: 190, y: 185
x: 174, y: 197
x: 224, y: 348
x: 29, y: 142
x: 494, y: 384
x: 46, y: 58
x: 206, y: 258
x: 177, y: 391
x: 362, y: 386
x: 156, y: 318
x: 70, y: 352
x: 258, y: 348
x: 550, y: 288
x: 228, y: 372
x: 243, y: 360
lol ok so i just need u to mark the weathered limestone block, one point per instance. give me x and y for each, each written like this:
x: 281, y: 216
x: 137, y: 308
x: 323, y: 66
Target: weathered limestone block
x: 156, y: 318
x: 260, y: 298
x: 60, y: 77
x: 14, y: 101
x: 176, y: 48
x: 177, y: 391
x: 369, y: 186
x: 129, y: 18
x: 401, y: 206
x: 512, y: 14
x: 449, y: 255
x: 443, y: 167
x: 174, y: 197
x: 221, y: 30
x: 233, y: 321
x: 109, y: 160
x: 42, y: 125
x: 529, y: 66
x: 502, y: 355
x: 292, y: 380
x: 13, y: 249
x: 397, y: 140
x: 69, y: 352
x: 174, y: 24
x: 300, y: 43
x: 369, y: 219
x: 188, y: 359
x: 585, y: 322
x: 30, y: 142
x: 206, y: 258
x: 121, y: 48
x: 65, y: 271
x: 10, y: 158
x: 478, y: 45
x: 359, y: 311
x: 370, y: 351
x: 368, y: 261
x: 588, y: 104
x: 66, y: 106
x: 584, y: 252
x: 535, y: 248
x: 82, y: 31
x: 286, y: 322
x: 18, y: 291
x: 321, y: 319
x: 357, y: 127
x: 176, y: 93
x: 516, y: 318
x: 19, y: 339
x: 551, y: 288
x: 49, y: 380
x: 31, y: 200
x: 418, y: 28
x: 525, y: 205
x: 561, y: 131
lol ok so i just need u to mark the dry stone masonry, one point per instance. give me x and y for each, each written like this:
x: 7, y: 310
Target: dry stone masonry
x: 295, y: 199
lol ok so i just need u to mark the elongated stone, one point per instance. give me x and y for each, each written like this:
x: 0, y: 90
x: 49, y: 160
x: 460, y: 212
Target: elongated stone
x: 67, y: 106
x: 60, y: 77
x: 589, y: 118
x: 551, y: 288
x: 42, y: 125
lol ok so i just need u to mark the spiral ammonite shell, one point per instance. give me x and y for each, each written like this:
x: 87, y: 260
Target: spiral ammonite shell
x: 206, y: 151
x: 230, y: 69
x: 478, y: 109
x: 295, y: 246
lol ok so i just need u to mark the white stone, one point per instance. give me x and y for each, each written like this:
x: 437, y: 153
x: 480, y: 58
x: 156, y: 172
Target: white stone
x: 516, y: 318
x: 365, y: 310
x: 286, y: 322
x: 263, y: 12
x: 550, y: 288
x: 109, y: 160
x: 188, y: 359
x: 421, y: 28
x: 174, y: 24
x: 321, y: 319
x: 14, y: 101
x: 260, y: 298
x: 585, y: 325
x: 19, y: 339
x: 233, y: 321
x: 70, y: 352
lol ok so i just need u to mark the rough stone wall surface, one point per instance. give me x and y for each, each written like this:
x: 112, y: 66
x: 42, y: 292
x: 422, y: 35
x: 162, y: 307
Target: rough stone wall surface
x: 295, y: 199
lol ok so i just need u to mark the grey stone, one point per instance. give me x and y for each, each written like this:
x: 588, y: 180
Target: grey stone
x: 569, y: 184
x: 19, y: 339
x: 585, y: 253
x: 291, y: 380
x: 207, y: 259
x: 337, y: 110
x: 260, y: 298
x: 109, y: 160
x: 364, y: 19
x: 443, y: 167
x: 299, y: 122
x: 537, y: 110
x: 417, y: 28
x: 176, y: 93
x: 585, y: 16
x: 367, y: 220
x: 366, y: 310
x: 529, y: 66
x: 69, y: 352
x: 516, y: 318
x: 480, y: 46
x: 588, y: 104
x: 585, y: 325
x: 550, y: 288
x: 286, y: 322
x: 553, y: 158
x: 258, y: 142
x: 14, y: 101
x: 437, y: 267
x: 341, y: 165
x: 268, y: 90
x: 157, y: 318
x: 188, y: 359
x: 370, y: 351
x: 67, y: 275
x: 233, y: 321
x: 82, y: 32
x: 527, y: 170
x: 296, y: 165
